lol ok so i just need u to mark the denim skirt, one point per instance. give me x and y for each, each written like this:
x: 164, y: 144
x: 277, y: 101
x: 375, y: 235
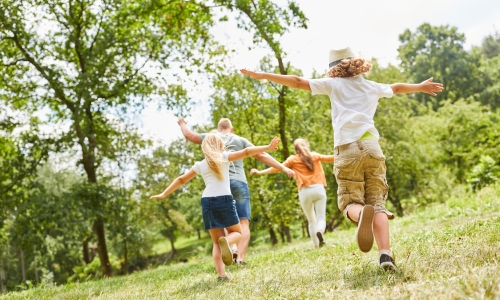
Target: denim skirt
x: 219, y: 212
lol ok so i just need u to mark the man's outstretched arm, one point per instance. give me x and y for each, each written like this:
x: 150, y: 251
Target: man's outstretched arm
x: 190, y: 135
x: 270, y: 161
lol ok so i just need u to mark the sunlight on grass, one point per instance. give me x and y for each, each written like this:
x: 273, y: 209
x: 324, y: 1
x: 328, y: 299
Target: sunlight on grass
x: 447, y: 251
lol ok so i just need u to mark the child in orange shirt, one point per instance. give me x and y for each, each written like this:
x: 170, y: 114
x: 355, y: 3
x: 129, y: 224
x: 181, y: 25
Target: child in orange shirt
x: 311, y: 183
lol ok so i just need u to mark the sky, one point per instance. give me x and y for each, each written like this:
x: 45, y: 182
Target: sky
x: 370, y: 28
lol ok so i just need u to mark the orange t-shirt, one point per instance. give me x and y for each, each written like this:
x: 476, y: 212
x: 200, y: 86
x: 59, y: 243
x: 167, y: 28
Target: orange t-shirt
x: 305, y: 177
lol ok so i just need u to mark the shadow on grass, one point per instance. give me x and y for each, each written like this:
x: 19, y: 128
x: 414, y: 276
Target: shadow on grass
x: 203, y: 286
x: 182, y: 255
x: 370, y: 275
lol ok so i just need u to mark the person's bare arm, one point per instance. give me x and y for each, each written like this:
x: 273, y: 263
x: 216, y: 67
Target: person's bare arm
x: 270, y: 161
x: 190, y: 135
x: 251, y: 151
x: 288, y: 80
x: 265, y: 171
x: 177, y: 183
x: 426, y: 86
x: 326, y: 158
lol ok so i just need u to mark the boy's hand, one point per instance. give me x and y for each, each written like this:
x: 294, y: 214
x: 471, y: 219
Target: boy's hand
x: 254, y: 75
x: 160, y: 196
x: 430, y: 87
x: 274, y: 144
x: 181, y: 121
x: 254, y: 171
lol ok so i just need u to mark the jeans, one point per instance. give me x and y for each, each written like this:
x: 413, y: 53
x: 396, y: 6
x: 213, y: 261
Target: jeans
x: 241, y: 195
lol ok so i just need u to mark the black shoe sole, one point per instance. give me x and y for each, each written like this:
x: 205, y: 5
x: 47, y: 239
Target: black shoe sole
x: 320, y: 237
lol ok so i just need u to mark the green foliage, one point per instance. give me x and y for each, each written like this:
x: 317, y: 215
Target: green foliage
x: 486, y: 172
x: 92, y: 271
x: 490, y: 69
x: 438, y: 51
x: 491, y: 45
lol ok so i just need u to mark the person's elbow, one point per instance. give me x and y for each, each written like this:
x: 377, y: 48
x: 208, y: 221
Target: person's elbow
x: 193, y: 138
x: 260, y: 156
x: 396, y: 88
x: 302, y: 83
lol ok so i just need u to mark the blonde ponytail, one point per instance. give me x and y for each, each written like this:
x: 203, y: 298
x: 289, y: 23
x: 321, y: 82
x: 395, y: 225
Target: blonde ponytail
x: 301, y: 147
x: 213, y: 146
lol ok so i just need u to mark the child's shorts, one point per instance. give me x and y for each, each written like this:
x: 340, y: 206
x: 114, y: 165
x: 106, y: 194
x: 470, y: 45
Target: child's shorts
x: 219, y: 212
x: 360, y: 172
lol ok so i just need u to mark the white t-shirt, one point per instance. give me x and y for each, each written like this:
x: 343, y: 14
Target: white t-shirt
x: 213, y: 185
x: 354, y: 102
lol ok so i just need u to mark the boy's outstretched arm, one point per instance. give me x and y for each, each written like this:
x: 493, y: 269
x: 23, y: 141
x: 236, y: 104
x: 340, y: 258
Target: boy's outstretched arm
x: 251, y: 151
x: 426, y: 86
x: 177, y: 183
x: 265, y: 171
x: 190, y: 135
x: 288, y: 80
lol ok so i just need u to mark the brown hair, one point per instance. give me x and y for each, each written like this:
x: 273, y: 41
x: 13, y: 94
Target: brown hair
x: 350, y: 68
x: 213, y: 146
x: 301, y: 147
x: 224, y: 123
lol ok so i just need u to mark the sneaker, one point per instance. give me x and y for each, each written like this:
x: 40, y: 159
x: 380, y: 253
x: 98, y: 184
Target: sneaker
x: 364, y: 233
x: 223, y: 278
x: 235, y: 254
x: 321, y: 240
x: 227, y: 255
x: 387, y: 263
x: 241, y: 264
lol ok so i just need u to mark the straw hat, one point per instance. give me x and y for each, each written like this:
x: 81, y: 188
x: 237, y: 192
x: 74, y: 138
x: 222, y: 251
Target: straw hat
x: 336, y: 56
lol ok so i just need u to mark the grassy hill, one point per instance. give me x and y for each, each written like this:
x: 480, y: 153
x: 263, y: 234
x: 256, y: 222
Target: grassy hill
x: 446, y: 251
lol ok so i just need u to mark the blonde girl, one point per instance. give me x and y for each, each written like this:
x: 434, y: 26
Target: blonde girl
x: 311, y: 183
x: 218, y: 205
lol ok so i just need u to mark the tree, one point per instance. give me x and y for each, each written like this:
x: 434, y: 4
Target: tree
x: 438, y: 51
x: 269, y: 22
x: 491, y: 45
x: 88, y: 60
x: 155, y: 172
x: 490, y: 70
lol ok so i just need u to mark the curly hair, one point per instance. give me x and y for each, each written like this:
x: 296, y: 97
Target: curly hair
x: 350, y: 68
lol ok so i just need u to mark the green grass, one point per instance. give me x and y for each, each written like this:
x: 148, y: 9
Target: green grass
x: 447, y: 251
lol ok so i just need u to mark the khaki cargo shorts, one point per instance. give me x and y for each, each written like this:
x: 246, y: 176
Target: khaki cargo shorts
x: 360, y: 172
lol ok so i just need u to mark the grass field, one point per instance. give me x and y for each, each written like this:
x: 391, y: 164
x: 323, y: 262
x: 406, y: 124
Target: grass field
x: 447, y: 251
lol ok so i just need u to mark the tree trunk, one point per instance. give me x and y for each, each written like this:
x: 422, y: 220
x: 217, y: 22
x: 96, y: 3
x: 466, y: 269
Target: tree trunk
x: 272, y: 234
x: 305, y: 229
x: 37, y: 280
x: 86, y: 254
x: 172, y: 240
x: 286, y: 232
x: 282, y: 122
x: 102, y: 248
x: 125, y: 258
x: 332, y: 224
x: 2, y: 278
x: 23, y: 267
